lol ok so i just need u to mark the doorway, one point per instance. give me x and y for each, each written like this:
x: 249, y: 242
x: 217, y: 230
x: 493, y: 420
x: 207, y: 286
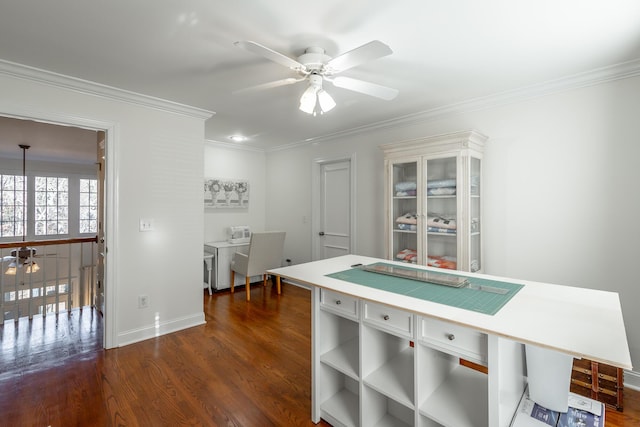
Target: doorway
x: 98, y: 137
x: 333, y: 207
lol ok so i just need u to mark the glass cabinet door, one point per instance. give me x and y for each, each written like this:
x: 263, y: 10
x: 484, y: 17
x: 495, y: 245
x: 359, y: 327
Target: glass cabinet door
x: 441, y: 214
x: 475, y: 261
x: 404, y: 212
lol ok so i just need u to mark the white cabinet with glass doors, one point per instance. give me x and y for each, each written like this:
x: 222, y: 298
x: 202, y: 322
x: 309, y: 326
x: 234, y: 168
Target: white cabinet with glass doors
x: 433, y: 201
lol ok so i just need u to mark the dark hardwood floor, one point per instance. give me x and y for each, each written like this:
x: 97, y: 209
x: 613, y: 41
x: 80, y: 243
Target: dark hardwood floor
x: 248, y: 366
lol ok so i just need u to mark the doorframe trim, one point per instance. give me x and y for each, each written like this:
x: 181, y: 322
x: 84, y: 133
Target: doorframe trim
x: 109, y: 339
x: 316, y: 167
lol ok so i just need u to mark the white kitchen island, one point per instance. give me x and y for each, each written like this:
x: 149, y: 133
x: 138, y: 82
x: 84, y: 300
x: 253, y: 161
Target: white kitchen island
x: 380, y: 358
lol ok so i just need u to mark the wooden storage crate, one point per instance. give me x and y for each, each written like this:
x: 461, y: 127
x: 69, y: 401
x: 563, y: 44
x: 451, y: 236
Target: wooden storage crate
x: 598, y: 381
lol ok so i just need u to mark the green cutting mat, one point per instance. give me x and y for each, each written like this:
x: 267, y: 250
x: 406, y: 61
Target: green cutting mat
x: 478, y: 300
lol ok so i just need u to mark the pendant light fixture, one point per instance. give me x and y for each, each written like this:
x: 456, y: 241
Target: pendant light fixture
x: 23, y: 257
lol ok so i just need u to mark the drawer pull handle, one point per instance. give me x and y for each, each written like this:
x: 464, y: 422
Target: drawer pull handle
x: 338, y: 302
x: 385, y: 317
x: 451, y: 337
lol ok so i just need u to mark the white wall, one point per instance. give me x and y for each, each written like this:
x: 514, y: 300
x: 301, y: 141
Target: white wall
x: 221, y: 161
x: 154, y: 170
x: 560, y: 178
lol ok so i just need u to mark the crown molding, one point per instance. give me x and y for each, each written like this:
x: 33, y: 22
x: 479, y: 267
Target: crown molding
x: 37, y: 75
x: 232, y: 146
x: 576, y: 81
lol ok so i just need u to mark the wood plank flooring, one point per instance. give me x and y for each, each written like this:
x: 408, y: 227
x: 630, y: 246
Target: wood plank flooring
x: 248, y: 366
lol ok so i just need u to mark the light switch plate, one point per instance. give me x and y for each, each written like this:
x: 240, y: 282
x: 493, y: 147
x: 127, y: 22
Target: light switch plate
x: 146, y: 224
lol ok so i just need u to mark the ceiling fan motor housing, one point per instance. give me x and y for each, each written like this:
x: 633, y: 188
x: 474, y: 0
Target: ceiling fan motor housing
x: 314, y: 59
x: 23, y: 253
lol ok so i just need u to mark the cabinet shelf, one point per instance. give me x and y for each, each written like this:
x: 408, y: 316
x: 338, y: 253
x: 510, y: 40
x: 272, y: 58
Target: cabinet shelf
x: 395, y: 230
x: 395, y: 378
x: 390, y: 421
x: 460, y: 401
x: 343, y: 358
x: 436, y: 233
x: 342, y: 407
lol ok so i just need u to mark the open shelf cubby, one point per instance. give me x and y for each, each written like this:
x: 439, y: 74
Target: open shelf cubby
x: 339, y: 402
x: 451, y: 394
x: 339, y: 343
x: 388, y: 365
x: 381, y: 411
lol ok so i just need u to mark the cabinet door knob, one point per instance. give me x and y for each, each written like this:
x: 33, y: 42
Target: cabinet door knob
x: 451, y: 337
x: 385, y: 317
x: 338, y: 302
x: 321, y: 233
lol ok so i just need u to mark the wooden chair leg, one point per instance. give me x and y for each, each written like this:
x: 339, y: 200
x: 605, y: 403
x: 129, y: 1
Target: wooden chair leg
x: 248, y: 286
x: 233, y: 279
x: 264, y: 280
x: 278, y: 286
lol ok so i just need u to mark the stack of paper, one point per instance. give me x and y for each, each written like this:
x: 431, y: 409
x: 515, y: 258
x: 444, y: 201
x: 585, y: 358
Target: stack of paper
x: 582, y: 412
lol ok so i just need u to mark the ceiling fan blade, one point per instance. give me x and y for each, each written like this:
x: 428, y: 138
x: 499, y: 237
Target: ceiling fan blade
x: 270, y: 54
x: 8, y: 258
x: 269, y: 85
x: 367, y: 52
x: 367, y: 88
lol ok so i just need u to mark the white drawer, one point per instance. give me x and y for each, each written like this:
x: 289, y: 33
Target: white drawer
x: 342, y: 304
x: 396, y: 321
x: 459, y: 340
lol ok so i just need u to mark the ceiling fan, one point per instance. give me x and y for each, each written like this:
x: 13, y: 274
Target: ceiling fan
x: 20, y: 258
x: 315, y: 66
x: 24, y: 256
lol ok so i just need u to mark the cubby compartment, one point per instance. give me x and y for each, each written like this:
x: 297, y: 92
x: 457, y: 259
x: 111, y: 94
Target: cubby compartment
x: 339, y: 343
x: 387, y: 365
x: 381, y: 411
x: 339, y: 399
x: 392, y: 367
x: 449, y: 393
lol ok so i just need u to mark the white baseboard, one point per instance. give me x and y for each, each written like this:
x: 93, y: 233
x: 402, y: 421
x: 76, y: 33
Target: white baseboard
x: 632, y: 380
x: 161, y: 328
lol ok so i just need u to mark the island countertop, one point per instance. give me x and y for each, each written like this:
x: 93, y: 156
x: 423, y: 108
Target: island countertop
x: 584, y: 323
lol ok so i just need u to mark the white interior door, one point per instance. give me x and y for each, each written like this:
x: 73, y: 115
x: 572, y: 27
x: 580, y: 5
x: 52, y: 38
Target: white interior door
x: 334, y: 225
x: 100, y: 283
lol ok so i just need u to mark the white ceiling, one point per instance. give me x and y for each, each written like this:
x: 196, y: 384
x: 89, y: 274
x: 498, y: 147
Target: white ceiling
x: 444, y: 52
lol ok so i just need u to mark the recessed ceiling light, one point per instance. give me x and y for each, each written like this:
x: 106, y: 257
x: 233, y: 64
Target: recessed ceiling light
x: 238, y: 138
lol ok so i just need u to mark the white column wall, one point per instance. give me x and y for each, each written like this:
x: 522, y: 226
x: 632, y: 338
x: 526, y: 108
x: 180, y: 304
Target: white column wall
x: 154, y: 170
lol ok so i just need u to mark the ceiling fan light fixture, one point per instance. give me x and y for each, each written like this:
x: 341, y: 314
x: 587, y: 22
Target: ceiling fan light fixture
x: 31, y: 267
x: 326, y: 101
x: 308, y: 99
x: 12, y: 269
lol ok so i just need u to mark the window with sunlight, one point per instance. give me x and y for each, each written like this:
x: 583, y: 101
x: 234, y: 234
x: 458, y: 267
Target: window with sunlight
x: 51, y: 206
x: 88, y: 206
x: 12, y: 198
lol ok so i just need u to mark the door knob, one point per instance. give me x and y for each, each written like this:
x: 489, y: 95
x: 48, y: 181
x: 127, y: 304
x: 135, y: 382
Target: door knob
x: 321, y: 233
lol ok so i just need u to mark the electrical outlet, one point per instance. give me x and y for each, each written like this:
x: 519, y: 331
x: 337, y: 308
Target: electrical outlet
x: 143, y: 301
